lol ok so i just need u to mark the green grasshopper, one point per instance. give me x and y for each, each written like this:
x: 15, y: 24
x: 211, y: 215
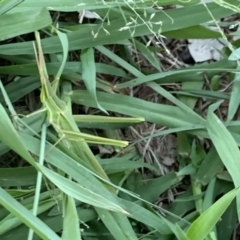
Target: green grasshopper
x: 60, y: 117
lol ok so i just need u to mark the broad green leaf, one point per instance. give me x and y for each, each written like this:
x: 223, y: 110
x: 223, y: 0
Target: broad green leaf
x: 204, y: 224
x: 12, y: 25
x: 199, y: 32
x: 6, y: 5
x: 19, y: 176
x: 82, y: 39
x: 163, y: 114
x: 23, y: 68
x: 226, y: 147
x: 77, y: 5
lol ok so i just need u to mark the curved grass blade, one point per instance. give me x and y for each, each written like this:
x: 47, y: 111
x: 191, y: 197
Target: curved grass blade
x: 89, y: 74
x: 226, y: 147
x: 204, y: 224
x: 79, y: 192
x: 64, y: 41
x: 22, y: 68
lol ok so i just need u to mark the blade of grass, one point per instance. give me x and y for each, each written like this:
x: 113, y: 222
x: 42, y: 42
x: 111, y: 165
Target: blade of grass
x: 79, y: 192
x: 22, y: 68
x: 64, y: 42
x: 207, y: 171
x: 11, y: 221
x: 174, y: 100
x: 234, y: 98
x: 10, y: 137
x: 158, y: 113
x: 19, y: 176
x: 204, y: 224
x: 157, y: 76
x: 183, y: 17
x: 226, y: 147
x: 26, y: 216
x: 12, y: 25
x: 89, y: 74
x: 149, y: 55
x: 71, y: 228
x: 7, y: 5
x: 117, y: 224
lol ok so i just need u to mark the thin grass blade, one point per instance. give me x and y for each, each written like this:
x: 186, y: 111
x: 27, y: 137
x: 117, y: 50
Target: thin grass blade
x: 89, y: 74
